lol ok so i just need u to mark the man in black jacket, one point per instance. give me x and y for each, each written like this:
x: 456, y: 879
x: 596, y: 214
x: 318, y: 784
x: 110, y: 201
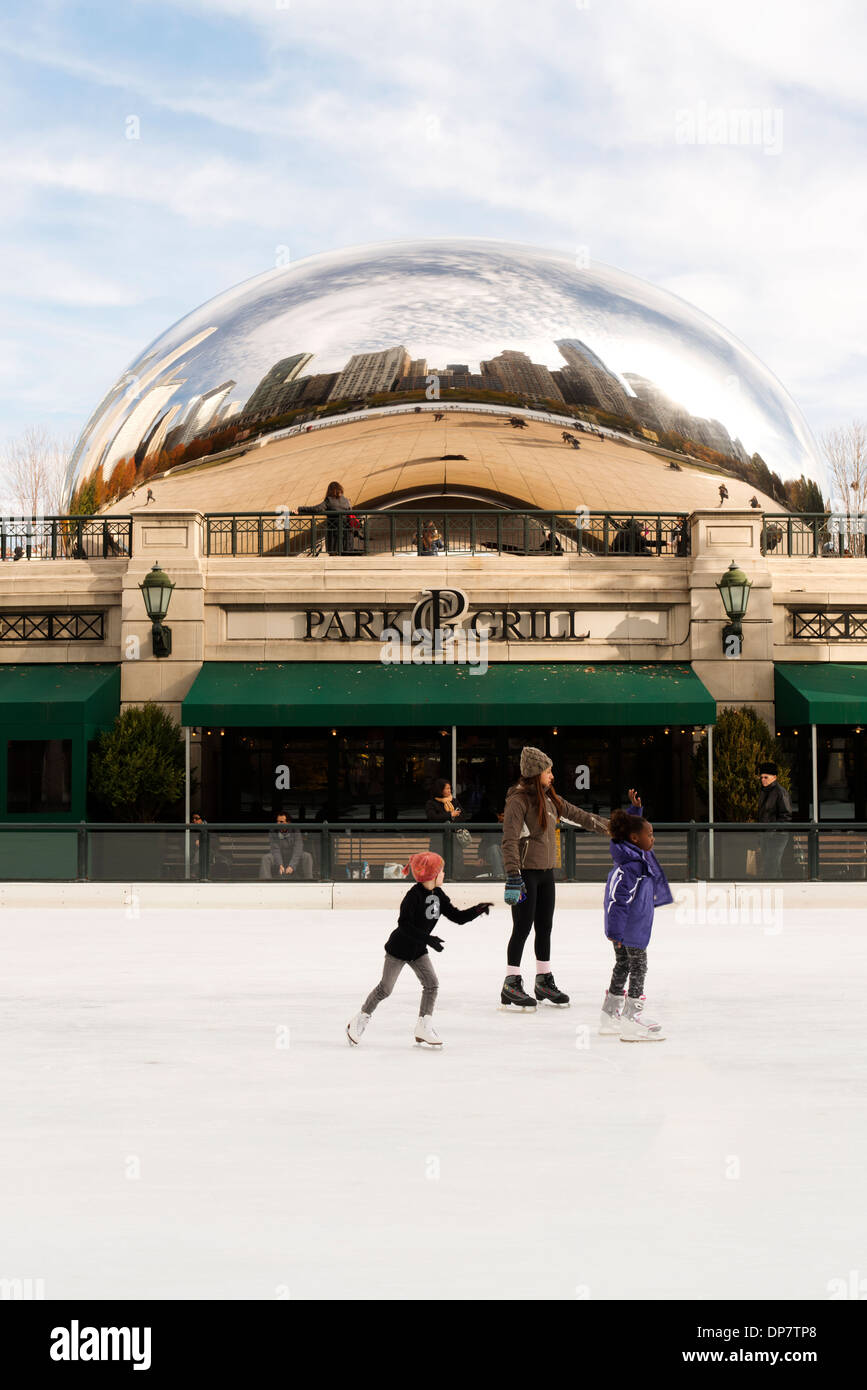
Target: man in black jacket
x: 774, y: 805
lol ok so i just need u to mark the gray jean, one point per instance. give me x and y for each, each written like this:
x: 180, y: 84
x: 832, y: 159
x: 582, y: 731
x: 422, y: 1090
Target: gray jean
x: 424, y: 971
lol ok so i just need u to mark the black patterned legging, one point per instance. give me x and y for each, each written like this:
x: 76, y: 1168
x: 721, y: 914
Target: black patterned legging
x: 630, y: 964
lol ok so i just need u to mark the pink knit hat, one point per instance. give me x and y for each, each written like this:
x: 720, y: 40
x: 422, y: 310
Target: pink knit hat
x: 425, y: 866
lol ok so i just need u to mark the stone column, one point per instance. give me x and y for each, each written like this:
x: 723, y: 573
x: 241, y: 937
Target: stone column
x: 172, y: 539
x: 718, y: 537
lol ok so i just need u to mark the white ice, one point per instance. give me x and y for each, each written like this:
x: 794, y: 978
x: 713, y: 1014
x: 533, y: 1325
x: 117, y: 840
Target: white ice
x: 183, y: 1117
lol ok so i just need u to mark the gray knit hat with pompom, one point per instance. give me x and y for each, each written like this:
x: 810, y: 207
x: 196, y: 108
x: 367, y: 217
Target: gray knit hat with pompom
x: 534, y: 761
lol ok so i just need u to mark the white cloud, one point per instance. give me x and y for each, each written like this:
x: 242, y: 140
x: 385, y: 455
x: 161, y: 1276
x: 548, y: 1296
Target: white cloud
x: 548, y: 123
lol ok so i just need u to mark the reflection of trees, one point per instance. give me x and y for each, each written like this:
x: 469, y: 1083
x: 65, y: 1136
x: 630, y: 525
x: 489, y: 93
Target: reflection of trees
x: 300, y: 400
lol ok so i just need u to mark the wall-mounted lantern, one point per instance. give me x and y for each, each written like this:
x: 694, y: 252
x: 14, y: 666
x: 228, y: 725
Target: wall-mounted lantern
x: 734, y: 588
x: 157, y: 594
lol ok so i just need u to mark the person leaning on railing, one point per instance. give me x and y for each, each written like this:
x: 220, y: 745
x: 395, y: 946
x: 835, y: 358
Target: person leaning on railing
x: 431, y: 541
x: 680, y: 537
x: 334, y: 501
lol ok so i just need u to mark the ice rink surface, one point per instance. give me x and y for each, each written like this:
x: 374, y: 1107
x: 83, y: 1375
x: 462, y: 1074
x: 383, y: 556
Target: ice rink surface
x: 183, y: 1117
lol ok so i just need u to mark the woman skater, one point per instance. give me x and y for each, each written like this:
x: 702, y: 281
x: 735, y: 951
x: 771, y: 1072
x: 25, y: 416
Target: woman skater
x: 636, y: 885
x: 533, y: 809
x: 419, y: 913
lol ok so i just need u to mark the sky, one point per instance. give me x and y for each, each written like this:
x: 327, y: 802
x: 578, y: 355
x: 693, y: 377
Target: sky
x: 154, y: 154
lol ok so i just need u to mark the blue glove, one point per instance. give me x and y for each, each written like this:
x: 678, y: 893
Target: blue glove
x: 436, y: 941
x: 516, y: 890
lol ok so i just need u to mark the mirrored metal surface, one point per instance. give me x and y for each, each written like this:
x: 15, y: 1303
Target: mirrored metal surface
x: 429, y: 321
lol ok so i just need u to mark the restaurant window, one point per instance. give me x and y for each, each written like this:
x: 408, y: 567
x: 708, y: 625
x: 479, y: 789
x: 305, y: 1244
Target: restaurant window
x: 418, y: 759
x: 361, y: 776
x: 38, y: 775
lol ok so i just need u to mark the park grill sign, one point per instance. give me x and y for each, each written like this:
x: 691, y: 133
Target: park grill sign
x: 445, y: 611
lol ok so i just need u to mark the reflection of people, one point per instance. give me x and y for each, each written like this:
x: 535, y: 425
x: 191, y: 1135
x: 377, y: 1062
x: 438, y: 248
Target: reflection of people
x: 636, y: 885
x: 680, y: 537
x: 533, y: 809
x: 723, y: 493
x: 286, y: 857
x: 419, y: 913
x: 774, y: 805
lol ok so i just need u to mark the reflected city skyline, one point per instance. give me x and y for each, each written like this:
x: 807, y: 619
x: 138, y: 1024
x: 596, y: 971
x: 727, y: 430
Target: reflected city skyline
x: 486, y: 321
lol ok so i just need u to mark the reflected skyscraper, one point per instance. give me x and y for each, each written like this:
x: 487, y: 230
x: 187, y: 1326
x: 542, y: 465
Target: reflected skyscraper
x: 337, y: 332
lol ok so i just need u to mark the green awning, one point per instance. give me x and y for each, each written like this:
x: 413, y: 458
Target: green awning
x: 37, y: 694
x: 821, y: 692
x: 274, y: 694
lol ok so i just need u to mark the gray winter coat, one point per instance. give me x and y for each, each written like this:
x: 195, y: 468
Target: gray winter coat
x: 284, y: 847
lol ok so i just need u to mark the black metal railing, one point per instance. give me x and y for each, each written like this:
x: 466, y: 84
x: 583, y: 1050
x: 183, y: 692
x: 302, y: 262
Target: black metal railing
x: 434, y: 532
x: 377, y: 851
x: 65, y: 538
x: 833, y: 535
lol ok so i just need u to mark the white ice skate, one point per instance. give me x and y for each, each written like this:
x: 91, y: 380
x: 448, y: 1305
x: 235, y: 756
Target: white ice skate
x: 424, y: 1032
x: 635, y: 1027
x: 356, y: 1026
x: 609, y: 1019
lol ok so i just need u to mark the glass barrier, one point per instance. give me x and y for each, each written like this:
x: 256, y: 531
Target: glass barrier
x: 34, y: 854
x: 364, y: 851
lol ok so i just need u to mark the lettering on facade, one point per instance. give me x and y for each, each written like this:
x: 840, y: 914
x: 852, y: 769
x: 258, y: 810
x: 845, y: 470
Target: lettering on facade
x: 438, y: 610
x: 500, y: 624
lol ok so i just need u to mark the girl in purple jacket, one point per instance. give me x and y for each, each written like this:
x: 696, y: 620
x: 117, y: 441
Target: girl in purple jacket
x: 636, y: 885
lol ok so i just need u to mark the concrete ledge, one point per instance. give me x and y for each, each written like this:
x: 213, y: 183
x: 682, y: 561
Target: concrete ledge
x: 229, y: 896
x: 387, y: 896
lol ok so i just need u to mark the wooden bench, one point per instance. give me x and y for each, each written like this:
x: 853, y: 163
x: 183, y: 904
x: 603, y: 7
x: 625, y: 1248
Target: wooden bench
x: 593, y: 857
x: 351, y: 851
x: 235, y: 856
x: 845, y: 851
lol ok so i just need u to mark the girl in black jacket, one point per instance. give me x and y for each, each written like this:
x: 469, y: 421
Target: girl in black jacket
x: 419, y: 913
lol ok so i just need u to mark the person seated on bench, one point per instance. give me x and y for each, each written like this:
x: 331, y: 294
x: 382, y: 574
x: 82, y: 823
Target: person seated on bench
x: 286, y: 857
x: 441, y: 806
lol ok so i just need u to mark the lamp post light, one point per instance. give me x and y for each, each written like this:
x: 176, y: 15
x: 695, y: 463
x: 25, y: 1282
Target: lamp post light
x: 157, y: 594
x: 734, y: 588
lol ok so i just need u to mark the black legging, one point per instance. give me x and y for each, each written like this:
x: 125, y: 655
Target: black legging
x: 537, y: 910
